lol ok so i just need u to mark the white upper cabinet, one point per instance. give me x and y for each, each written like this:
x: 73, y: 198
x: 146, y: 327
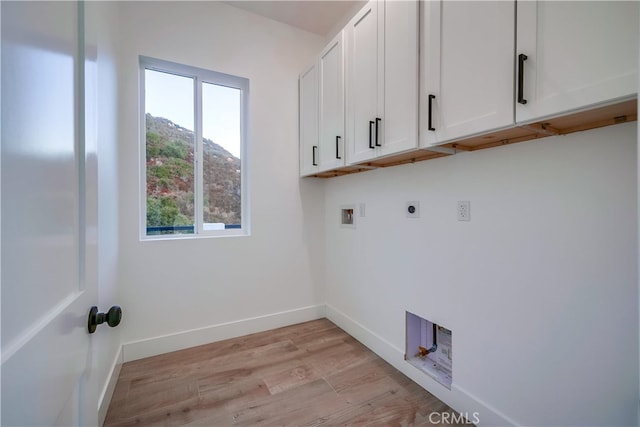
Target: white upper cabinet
x: 321, y: 115
x: 487, y: 73
x: 331, y: 128
x: 364, y: 70
x: 382, y: 79
x: 308, y: 120
x: 466, y: 69
x: 578, y: 54
x: 400, y: 100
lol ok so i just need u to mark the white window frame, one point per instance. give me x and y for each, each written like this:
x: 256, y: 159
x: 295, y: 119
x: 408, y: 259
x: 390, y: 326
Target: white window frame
x: 199, y: 76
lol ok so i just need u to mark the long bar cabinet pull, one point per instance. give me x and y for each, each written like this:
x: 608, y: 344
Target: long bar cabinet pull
x: 521, y: 58
x: 431, y: 98
x: 371, y: 135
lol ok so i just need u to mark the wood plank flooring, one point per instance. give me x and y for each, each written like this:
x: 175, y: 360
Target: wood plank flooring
x: 310, y: 374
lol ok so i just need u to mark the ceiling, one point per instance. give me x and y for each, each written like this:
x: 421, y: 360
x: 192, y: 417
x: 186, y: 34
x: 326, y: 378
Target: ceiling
x: 318, y: 17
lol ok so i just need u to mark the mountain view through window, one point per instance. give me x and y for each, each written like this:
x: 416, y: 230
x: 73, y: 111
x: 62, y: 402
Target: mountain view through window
x: 178, y: 177
x: 170, y: 179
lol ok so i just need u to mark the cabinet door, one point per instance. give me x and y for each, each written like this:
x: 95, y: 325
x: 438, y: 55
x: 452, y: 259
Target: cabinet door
x: 308, y: 121
x: 332, y: 140
x: 578, y: 54
x: 363, y: 74
x: 466, y: 68
x: 399, y: 48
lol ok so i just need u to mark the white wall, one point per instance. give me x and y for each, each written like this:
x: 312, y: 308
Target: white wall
x: 173, y: 287
x: 540, y: 289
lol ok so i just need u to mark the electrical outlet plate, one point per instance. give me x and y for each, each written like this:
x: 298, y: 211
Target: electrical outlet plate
x: 464, y: 210
x: 412, y: 209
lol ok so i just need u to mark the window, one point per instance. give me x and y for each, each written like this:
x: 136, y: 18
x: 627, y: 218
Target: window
x: 193, y: 151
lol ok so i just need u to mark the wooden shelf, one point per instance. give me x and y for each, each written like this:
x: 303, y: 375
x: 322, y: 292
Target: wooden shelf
x: 613, y: 114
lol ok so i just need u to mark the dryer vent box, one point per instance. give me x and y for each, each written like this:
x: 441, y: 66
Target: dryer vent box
x: 348, y: 216
x: 433, y: 357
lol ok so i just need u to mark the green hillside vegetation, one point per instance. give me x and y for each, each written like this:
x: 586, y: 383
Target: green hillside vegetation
x: 170, y: 173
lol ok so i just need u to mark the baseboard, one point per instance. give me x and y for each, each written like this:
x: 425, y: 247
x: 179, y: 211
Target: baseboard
x: 457, y: 398
x: 195, y: 337
x: 109, y: 388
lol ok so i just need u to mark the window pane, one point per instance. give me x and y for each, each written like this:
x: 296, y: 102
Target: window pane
x: 221, y: 157
x: 169, y: 153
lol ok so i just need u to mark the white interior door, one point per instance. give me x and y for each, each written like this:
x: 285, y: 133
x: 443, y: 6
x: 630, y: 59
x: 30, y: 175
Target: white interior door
x: 47, y: 285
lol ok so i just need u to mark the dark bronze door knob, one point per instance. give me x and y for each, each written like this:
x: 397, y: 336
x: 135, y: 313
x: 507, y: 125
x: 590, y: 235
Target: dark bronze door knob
x: 112, y: 317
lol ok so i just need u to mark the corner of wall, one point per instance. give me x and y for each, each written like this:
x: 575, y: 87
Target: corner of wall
x: 312, y: 198
x: 172, y: 342
x: 110, y: 386
x: 345, y: 19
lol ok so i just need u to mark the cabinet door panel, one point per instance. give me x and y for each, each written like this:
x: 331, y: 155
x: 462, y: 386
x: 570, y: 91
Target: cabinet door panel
x: 362, y: 88
x: 467, y: 64
x: 332, y: 138
x: 308, y: 120
x: 578, y: 54
x: 400, y: 89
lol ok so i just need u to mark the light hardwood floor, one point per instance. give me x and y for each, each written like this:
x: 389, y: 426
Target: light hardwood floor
x: 308, y: 374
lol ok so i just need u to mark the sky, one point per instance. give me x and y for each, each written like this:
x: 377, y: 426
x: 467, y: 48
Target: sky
x: 171, y: 96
